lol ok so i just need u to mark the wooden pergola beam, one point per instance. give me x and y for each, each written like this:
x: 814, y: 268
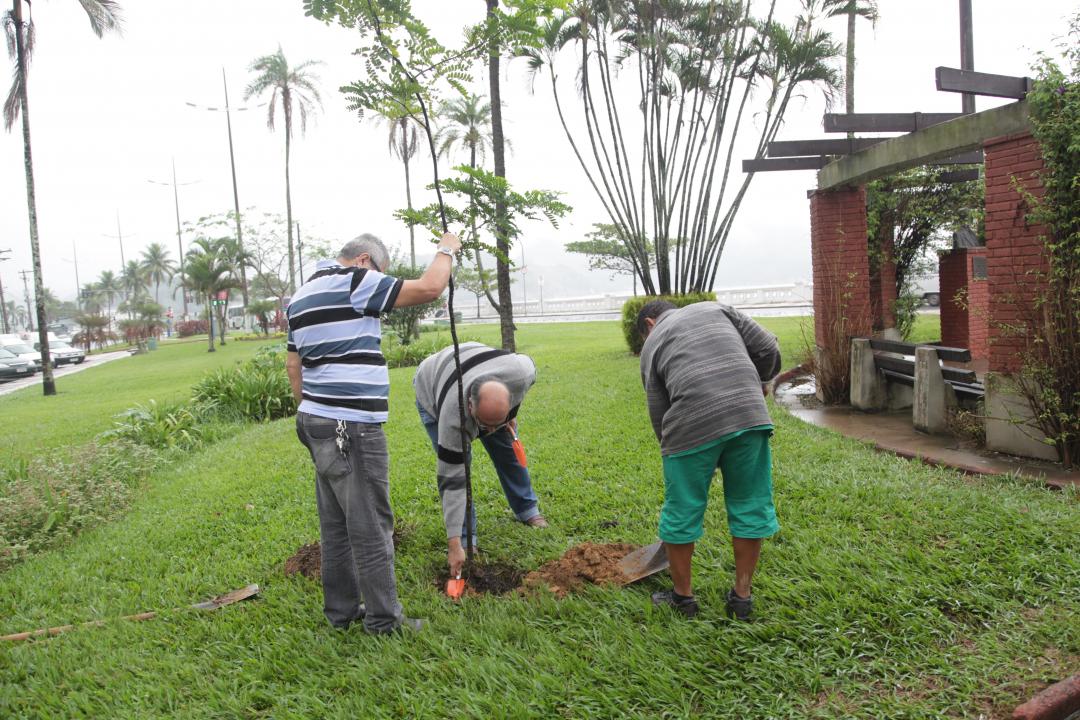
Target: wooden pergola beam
x: 786, y: 163
x: 884, y: 122
x: 978, y: 83
x: 964, y: 134
x: 843, y: 146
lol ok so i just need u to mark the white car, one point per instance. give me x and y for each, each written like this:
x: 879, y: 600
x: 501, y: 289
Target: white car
x: 24, y: 352
x: 62, y: 353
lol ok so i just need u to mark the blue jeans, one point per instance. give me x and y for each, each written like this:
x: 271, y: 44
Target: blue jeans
x: 514, y: 477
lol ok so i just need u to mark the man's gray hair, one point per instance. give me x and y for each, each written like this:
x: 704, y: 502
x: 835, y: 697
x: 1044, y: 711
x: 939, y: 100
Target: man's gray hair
x: 474, y: 388
x: 367, y: 243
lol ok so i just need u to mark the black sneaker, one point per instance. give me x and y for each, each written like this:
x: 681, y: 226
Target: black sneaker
x: 686, y: 605
x: 737, y: 607
x: 406, y: 626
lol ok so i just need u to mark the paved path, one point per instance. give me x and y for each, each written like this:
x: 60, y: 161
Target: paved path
x: 893, y: 432
x: 63, y: 371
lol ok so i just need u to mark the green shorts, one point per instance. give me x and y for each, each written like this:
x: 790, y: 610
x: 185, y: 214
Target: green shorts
x: 745, y: 462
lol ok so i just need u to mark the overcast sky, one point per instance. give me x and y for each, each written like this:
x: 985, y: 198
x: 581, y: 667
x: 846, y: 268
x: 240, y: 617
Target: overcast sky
x: 109, y: 115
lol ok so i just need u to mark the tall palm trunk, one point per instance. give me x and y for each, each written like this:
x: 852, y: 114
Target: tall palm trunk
x: 287, y: 102
x: 498, y: 146
x: 210, y: 319
x: 408, y: 194
x: 31, y: 204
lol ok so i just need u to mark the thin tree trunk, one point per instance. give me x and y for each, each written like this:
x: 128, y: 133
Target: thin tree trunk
x: 48, y: 383
x: 286, y: 100
x: 498, y: 144
x: 210, y: 319
x: 408, y: 196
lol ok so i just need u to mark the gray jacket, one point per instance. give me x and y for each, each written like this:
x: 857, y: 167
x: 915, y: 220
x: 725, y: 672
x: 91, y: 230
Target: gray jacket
x: 437, y: 392
x: 702, y: 367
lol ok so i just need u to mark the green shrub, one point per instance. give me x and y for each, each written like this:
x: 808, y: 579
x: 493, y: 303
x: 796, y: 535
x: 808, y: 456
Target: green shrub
x: 632, y: 307
x: 398, y: 355
x: 257, y: 389
x: 160, y: 426
x: 46, y: 501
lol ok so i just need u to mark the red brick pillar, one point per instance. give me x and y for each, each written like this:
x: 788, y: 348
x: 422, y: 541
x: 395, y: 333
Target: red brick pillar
x: 1014, y: 248
x: 963, y: 272
x: 883, y: 289
x: 841, y: 265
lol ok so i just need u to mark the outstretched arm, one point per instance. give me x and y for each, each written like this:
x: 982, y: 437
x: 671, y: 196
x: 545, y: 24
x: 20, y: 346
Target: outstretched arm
x: 431, y: 284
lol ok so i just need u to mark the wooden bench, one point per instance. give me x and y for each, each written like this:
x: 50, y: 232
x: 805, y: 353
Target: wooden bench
x: 902, y: 370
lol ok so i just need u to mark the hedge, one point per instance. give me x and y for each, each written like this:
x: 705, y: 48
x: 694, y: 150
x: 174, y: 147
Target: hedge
x: 632, y: 307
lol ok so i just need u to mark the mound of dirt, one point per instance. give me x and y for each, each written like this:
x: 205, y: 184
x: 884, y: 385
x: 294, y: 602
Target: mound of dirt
x: 593, y: 563
x: 307, y: 561
x: 494, y: 578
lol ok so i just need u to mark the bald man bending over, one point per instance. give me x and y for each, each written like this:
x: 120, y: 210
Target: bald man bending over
x: 495, y: 384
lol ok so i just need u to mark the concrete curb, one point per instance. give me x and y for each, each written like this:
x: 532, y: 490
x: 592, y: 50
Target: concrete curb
x: 1056, y: 702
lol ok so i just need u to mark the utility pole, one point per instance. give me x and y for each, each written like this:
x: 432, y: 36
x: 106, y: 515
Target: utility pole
x: 967, y: 51
x: 179, y: 236
x: 3, y: 305
x: 120, y: 237
x: 236, y: 195
x: 300, y: 253
x: 524, y: 286
x: 26, y: 293
x: 78, y: 285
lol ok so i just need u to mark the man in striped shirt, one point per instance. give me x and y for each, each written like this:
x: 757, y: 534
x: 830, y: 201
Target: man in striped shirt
x: 339, y: 375
x: 703, y: 367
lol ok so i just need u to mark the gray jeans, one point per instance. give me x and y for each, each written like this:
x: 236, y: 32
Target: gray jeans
x: 356, y: 524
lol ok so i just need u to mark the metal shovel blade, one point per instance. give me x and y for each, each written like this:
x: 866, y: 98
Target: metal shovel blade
x: 228, y: 598
x: 644, y: 562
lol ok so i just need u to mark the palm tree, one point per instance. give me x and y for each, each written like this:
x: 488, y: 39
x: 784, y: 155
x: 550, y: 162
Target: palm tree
x: 469, y: 128
x: 134, y: 279
x: 16, y: 313
x: 403, y: 141
x: 294, y: 88
x: 109, y: 286
x: 158, y: 266
x: 104, y: 15
x: 208, y: 270
x: 853, y: 9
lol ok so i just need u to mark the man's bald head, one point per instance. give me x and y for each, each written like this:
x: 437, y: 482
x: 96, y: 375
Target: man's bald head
x: 489, y: 402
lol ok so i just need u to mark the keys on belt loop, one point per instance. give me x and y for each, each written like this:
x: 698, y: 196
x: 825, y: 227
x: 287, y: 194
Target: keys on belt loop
x: 342, y: 439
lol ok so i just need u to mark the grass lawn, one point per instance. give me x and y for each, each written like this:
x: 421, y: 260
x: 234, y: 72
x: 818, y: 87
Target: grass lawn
x: 893, y: 590
x: 87, y: 401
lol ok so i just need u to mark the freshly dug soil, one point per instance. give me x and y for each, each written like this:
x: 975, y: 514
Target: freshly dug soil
x: 593, y: 563
x: 494, y: 578
x: 307, y: 561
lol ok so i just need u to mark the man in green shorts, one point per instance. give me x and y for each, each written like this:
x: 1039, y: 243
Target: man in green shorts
x: 703, y: 367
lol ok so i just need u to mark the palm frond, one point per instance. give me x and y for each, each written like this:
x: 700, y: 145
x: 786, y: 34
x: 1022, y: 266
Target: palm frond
x: 104, y: 16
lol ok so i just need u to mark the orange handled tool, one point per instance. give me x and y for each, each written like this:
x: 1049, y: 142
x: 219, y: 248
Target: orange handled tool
x: 455, y: 587
x: 519, y: 448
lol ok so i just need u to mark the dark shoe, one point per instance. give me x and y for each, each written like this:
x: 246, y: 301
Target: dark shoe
x: 686, y: 605
x: 737, y: 607
x: 407, y: 625
x: 537, y: 521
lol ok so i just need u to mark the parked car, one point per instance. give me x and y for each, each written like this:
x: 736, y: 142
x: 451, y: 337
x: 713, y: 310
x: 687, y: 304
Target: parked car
x: 62, y: 353
x: 12, y: 367
x: 23, y: 351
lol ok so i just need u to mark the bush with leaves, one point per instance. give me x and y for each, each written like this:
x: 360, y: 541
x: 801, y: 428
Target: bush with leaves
x: 47, y: 500
x: 632, y: 307
x: 160, y: 425
x: 398, y: 355
x: 187, y: 328
x: 257, y: 389
x: 405, y: 321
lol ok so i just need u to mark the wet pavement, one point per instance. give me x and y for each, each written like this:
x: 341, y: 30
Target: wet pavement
x: 893, y: 432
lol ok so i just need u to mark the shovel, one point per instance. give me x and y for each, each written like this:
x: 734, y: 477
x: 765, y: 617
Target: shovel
x: 212, y: 604
x: 644, y: 562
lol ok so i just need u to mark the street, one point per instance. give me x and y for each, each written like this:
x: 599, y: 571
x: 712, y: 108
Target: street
x: 62, y: 371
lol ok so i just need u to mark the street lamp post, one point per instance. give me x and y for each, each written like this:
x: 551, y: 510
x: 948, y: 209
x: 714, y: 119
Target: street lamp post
x: 179, y: 235
x: 232, y: 165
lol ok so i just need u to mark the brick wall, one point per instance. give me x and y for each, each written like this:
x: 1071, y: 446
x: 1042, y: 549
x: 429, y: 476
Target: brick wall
x: 1014, y: 248
x: 841, y: 266
x: 964, y: 325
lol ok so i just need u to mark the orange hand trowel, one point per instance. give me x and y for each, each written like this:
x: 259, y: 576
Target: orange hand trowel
x: 455, y: 587
x: 519, y: 447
